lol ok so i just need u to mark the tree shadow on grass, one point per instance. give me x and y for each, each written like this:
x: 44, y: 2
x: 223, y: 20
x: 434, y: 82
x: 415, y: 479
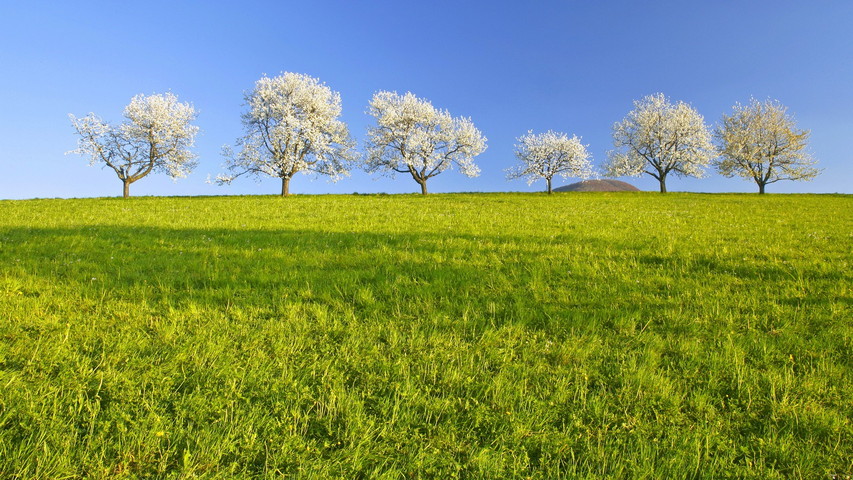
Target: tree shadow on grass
x: 494, y: 278
x: 799, y: 287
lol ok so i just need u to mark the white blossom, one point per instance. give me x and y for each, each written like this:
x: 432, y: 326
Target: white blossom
x: 156, y: 136
x: 545, y: 155
x: 292, y: 125
x: 760, y: 142
x: 658, y: 138
x: 411, y: 136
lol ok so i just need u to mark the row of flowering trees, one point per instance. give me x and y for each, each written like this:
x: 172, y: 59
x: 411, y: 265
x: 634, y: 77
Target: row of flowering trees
x: 292, y: 124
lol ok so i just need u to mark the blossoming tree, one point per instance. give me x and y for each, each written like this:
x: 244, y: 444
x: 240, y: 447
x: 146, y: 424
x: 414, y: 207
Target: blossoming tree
x: 292, y: 125
x: 411, y: 136
x: 658, y: 138
x: 156, y: 136
x: 548, y: 154
x: 760, y: 141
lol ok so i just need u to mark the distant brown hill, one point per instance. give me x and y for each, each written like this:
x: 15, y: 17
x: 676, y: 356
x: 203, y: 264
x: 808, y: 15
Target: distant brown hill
x: 598, y: 186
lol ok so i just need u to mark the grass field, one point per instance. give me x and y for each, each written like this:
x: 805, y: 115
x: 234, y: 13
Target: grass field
x: 448, y: 336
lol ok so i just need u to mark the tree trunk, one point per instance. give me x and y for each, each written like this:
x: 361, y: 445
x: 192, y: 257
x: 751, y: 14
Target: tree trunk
x: 663, y: 185
x: 285, y: 186
x: 549, y: 186
x: 126, y: 192
x: 423, y: 187
x: 761, y: 188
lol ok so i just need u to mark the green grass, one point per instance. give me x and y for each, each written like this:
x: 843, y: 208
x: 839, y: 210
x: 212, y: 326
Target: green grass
x: 448, y: 336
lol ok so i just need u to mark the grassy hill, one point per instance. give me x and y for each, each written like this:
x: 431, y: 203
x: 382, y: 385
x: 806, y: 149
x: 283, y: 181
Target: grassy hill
x: 449, y: 336
x: 605, y: 185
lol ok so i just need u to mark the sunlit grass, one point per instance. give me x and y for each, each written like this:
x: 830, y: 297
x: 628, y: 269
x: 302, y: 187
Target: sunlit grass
x: 395, y: 336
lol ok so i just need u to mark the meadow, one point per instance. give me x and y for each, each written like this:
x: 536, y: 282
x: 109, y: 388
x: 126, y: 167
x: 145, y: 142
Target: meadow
x: 581, y: 335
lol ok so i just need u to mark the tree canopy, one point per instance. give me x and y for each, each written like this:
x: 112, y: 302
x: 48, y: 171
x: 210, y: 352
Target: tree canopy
x: 549, y: 154
x: 291, y: 125
x: 411, y: 136
x: 156, y: 136
x: 659, y: 138
x: 760, y: 141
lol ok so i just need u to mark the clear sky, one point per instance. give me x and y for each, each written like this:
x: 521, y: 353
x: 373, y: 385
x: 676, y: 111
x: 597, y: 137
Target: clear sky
x: 571, y: 66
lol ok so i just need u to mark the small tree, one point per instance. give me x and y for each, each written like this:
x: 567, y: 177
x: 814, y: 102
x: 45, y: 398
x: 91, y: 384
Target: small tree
x: 760, y: 141
x: 411, y: 136
x: 156, y: 136
x: 658, y: 138
x: 548, y: 154
x: 291, y: 126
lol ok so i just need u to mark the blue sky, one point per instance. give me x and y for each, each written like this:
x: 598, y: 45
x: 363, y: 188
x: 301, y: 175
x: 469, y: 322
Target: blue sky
x: 569, y: 66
